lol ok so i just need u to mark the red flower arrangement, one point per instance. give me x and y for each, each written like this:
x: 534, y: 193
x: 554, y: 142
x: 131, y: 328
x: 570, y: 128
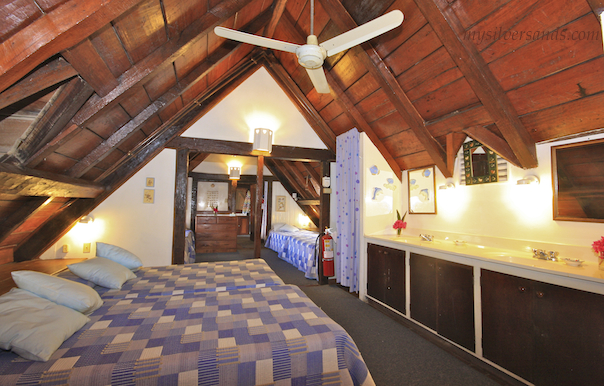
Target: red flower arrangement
x: 598, y: 245
x: 400, y: 223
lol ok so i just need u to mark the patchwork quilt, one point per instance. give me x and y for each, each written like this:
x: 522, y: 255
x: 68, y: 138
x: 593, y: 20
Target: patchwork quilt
x: 297, y: 248
x: 263, y: 334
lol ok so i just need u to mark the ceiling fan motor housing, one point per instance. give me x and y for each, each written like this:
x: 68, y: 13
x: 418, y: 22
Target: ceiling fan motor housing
x: 311, y: 55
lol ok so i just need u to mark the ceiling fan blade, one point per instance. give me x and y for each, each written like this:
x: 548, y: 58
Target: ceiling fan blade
x: 255, y: 40
x: 363, y: 32
x: 318, y: 79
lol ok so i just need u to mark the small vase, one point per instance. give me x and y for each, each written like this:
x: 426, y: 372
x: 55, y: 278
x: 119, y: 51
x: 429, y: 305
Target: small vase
x: 601, y: 261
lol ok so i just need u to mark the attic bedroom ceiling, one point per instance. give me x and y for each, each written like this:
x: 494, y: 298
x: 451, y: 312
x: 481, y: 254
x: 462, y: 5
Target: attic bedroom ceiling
x: 90, y: 91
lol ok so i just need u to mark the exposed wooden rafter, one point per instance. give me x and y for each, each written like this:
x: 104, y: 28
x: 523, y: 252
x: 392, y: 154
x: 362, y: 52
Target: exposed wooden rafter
x: 493, y: 142
x: 449, y: 29
x: 63, y: 27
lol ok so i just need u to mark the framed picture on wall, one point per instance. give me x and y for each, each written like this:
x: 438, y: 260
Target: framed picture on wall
x: 149, y: 196
x: 422, y: 198
x: 280, y: 204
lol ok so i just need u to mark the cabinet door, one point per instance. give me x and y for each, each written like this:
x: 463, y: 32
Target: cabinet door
x: 423, y: 290
x: 569, y: 336
x: 507, y: 323
x: 376, y: 273
x: 455, y: 294
x: 395, y: 285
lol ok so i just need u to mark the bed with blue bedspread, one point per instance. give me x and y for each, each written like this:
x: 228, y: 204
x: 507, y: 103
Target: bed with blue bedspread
x: 226, y: 323
x: 296, y: 247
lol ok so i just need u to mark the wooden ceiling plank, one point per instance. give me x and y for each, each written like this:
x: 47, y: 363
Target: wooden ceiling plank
x: 278, y: 9
x: 597, y: 6
x: 63, y: 27
x: 18, y: 217
x: 156, y: 61
x: 215, y: 146
x: 493, y: 142
x: 44, y: 77
x: 300, y: 100
x: 91, y: 67
x: 31, y: 182
x: 387, y: 81
x: 447, y: 26
x: 60, y: 110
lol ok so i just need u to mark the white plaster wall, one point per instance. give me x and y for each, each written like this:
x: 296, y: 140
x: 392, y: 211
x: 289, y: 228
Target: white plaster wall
x: 292, y: 215
x: 522, y: 216
x: 124, y: 220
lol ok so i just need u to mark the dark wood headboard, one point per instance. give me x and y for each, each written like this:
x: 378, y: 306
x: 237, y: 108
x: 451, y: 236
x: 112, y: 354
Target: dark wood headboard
x: 50, y: 267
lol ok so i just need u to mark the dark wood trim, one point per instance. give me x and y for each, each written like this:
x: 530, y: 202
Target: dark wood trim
x: 309, y: 202
x: 232, y: 196
x: 324, y: 218
x: 196, y: 159
x: 193, y: 205
x: 215, y: 146
x: 17, y: 218
x: 269, y: 204
x: 49, y: 75
x: 297, y: 175
x: 31, y: 182
x: 245, y: 179
x: 258, y: 214
x: 180, y: 206
x: 450, y: 31
x: 454, y: 142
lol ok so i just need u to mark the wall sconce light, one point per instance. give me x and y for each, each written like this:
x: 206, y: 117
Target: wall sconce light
x: 448, y: 185
x: 295, y: 196
x: 86, y: 219
x: 234, y: 172
x: 263, y: 140
x: 528, y: 180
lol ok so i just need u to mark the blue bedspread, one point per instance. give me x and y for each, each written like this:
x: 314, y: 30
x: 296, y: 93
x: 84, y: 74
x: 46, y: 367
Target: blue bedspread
x: 297, y: 248
x: 267, y: 334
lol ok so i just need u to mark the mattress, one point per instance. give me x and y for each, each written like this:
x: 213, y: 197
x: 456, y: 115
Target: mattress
x: 297, y: 248
x: 245, y: 327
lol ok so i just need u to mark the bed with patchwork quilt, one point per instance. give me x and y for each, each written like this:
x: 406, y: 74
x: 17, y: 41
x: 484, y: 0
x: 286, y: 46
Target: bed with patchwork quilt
x: 296, y: 246
x: 226, y: 323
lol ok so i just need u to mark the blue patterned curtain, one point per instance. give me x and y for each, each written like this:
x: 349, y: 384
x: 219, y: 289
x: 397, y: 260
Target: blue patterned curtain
x: 348, y: 196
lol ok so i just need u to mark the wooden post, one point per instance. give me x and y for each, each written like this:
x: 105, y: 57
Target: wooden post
x: 195, y: 181
x: 324, y: 219
x: 180, y: 206
x: 233, y: 196
x: 258, y: 214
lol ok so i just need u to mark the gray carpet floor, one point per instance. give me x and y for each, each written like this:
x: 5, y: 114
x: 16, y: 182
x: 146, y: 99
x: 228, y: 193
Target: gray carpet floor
x: 394, y: 353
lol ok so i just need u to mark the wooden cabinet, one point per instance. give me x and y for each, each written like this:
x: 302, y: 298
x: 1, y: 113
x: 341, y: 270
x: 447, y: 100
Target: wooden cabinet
x: 243, y: 225
x: 215, y: 234
x: 386, y: 276
x: 547, y: 334
x: 442, y: 298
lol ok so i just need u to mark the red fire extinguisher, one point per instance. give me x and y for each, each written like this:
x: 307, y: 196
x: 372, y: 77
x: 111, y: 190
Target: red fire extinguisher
x: 327, y: 254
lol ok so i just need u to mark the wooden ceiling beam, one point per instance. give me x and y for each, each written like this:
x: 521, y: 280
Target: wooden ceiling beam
x: 371, y: 60
x: 31, y: 182
x: 493, y: 142
x: 196, y: 159
x: 92, y: 68
x: 295, y: 173
x: 215, y: 146
x: 300, y: 100
x: 59, y: 111
x: 61, y: 28
x: 278, y: 8
x: 315, y: 179
x: 49, y: 75
x: 52, y: 230
x: 454, y: 142
x: 448, y: 28
x: 18, y: 217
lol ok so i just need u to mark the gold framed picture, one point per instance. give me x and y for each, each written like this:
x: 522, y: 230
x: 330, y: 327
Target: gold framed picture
x: 280, y: 204
x: 150, y: 182
x: 149, y: 196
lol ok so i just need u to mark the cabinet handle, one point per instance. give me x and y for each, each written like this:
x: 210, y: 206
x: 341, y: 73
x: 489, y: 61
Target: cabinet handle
x: 540, y: 294
x: 521, y: 289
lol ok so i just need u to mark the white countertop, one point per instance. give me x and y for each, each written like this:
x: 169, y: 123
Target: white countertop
x: 511, y: 258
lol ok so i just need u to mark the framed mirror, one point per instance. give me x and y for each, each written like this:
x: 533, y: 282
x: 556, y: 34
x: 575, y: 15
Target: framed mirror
x: 578, y: 181
x: 480, y: 163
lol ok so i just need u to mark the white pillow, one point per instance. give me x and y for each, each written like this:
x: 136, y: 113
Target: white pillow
x: 278, y: 226
x: 289, y: 228
x: 119, y: 255
x: 34, y: 327
x: 103, y: 272
x: 65, y: 292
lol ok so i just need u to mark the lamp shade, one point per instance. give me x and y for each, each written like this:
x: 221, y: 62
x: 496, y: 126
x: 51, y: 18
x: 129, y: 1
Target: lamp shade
x: 234, y: 172
x: 263, y: 140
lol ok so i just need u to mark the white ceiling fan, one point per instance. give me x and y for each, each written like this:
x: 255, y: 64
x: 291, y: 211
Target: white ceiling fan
x: 312, y: 54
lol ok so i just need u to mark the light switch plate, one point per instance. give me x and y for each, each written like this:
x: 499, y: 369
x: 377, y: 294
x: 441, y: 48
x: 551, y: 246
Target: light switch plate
x: 65, y: 248
x: 86, y: 248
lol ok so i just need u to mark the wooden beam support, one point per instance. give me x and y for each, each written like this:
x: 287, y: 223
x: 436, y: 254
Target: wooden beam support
x: 245, y: 179
x: 309, y: 202
x: 180, y: 207
x: 493, y: 142
x: 215, y: 146
x: 18, y: 217
x: 30, y: 182
x: 388, y: 83
x: 195, y: 159
x: 315, y: 179
x: 278, y: 8
x: 450, y: 31
x: 61, y: 28
x: 297, y: 175
x: 258, y: 206
x: 324, y: 217
x: 454, y: 142
x: 44, y: 77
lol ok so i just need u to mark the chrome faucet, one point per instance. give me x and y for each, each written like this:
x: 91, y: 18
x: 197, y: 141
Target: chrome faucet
x: 545, y: 255
x: 426, y: 237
